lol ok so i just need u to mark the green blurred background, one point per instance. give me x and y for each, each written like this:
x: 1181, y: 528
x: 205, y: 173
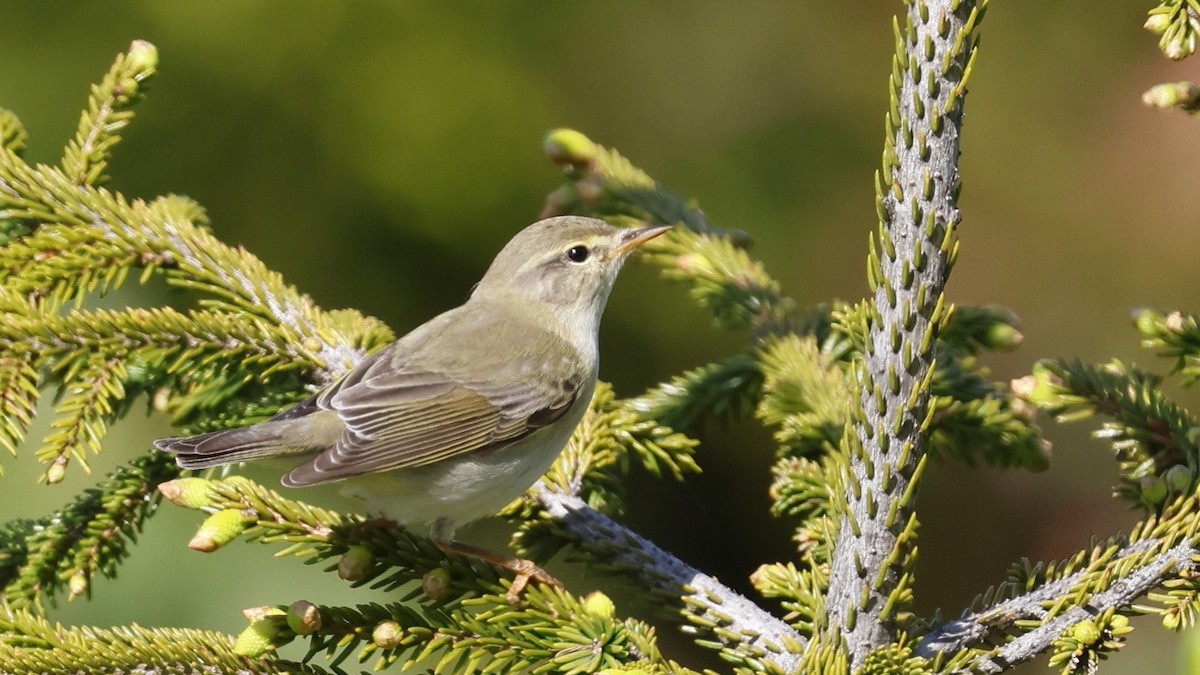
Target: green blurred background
x: 378, y: 154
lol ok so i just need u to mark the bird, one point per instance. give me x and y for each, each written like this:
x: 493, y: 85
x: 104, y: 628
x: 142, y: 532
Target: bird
x: 463, y: 414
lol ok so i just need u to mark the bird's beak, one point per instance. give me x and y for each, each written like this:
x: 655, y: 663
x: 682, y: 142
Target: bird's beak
x: 631, y: 239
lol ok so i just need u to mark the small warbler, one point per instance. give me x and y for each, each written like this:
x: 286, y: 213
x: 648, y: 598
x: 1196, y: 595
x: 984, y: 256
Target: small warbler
x: 459, y: 417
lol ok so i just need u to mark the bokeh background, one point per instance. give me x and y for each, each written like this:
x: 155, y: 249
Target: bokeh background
x: 378, y: 154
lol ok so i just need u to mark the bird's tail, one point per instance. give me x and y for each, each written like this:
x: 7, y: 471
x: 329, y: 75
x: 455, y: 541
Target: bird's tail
x: 273, y: 438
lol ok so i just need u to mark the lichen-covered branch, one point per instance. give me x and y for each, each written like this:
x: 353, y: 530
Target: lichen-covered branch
x: 874, y: 555
x: 977, y: 626
x: 1122, y: 593
x: 748, y: 635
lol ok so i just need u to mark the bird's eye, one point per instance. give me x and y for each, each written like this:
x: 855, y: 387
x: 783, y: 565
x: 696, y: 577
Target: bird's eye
x: 578, y: 254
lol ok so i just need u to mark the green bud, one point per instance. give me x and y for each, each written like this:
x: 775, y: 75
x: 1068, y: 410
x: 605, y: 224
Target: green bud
x: 1041, y: 388
x: 1178, y: 478
x: 599, y: 604
x: 1086, y: 632
x: 1157, y: 22
x: 1144, y: 318
x: 161, y: 400
x: 77, y: 585
x: 1178, y: 44
x: 143, y: 56
x: 435, y: 583
x: 190, y: 493
x: 56, y: 471
x: 569, y: 147
x: 387, y: 634
x: 355, y: 562
x: 1119, y: 624
x: 1153, y: 488
x: 1002, y: 337
x: 219, y: 529
x: 312, y: 344
x: 1114, y: 367
x: 259, y: 637
x: 304, y: 618
x: 1172, y: 94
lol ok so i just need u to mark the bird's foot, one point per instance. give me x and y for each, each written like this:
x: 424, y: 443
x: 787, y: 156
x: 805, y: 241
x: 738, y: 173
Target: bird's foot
x: 525, y: 570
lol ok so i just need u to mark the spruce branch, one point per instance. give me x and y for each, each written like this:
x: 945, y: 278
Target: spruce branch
x: 1174, y: 335
x: 109, y: 110
x: 745, y: 634
x: 88, y: 537
x: 1040, y: 602
x: 805, y: 394
x: 101, y: 359
x: 1000, y: 609
x: 381, y: 554
x: 18, y: 401
x: 724, y: 278
x: 1153, y: 438
x: 467, y: 621
x: 1122, y: 593
x: 1176, y: 23
x: 83, y: 231
x: 909, y: 263
x: 12, y: 132
x: 552, y: 632
x: 723, y: 390
x: 30, y: 645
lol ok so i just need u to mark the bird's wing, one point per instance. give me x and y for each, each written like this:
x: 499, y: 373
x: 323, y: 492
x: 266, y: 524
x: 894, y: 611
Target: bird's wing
x: 407, y: 415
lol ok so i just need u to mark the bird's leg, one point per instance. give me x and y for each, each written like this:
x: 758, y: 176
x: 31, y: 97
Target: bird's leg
x: 443, y: 536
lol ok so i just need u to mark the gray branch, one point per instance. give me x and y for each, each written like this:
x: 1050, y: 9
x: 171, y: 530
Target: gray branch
x: 1121, y: 593
x: 975, y: 627
x: 873, y: 556
x: 751, y: 629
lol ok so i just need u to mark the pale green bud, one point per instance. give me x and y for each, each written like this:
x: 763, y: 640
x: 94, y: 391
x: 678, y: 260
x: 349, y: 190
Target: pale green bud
x: 569, y: 147
x: 190, y: 493
x: 1086, y: 632
x: 304, y: 618
x: 355, y: 562
x: 1157, y: 22
x: 161, y: 400
x: 1178, y: 44
x: 599, y: 604
x: 1144, y: 318
x: 219, y: 529
x: 435, y: 583
x: 56, y: 471
x: 143, y: 56
x: 1002, y: 337
x: 387, y: 634
x: 1171, y: 94
x: 258, y: 638
x: 77, y: 585
x: 1119, y: 624
x: 1153, y: 488
x: 1178, y: 478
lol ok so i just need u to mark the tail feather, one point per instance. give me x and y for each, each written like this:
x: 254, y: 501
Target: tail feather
x: 272, y: 438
